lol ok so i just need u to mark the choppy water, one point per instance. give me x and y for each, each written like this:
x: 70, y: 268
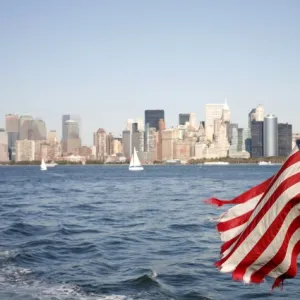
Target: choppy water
x: 102, y: 232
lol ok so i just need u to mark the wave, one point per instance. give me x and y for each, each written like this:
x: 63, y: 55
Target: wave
x: 19, y: 283
x: 24, y: 229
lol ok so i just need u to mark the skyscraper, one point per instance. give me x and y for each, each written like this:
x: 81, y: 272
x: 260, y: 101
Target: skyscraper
x: 257, y: 139
x: 212, y: 112
x: 126, y: 142
x: 230, y: 127
x: 3, y: 146
x: 152, y: 117
x: 100, y: 142
x: 37, y: 130
x: 270, y: 136
x: 71, y: 139
x: 183, y: 118
x: 285, y: 138
x: 25, y: 123
x: 73, y: 118
x: 12, y: 130
x: 256, y: 114
x: 25, y: 150
x: 52, y: 137
x: 193, y: 120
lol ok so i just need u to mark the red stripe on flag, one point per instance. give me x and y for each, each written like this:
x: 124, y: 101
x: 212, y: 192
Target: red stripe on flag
x: 281, y: 188
x: 227, y: 225
x: 258, y: 276
x: 265, y: 240
x: 292, y: 271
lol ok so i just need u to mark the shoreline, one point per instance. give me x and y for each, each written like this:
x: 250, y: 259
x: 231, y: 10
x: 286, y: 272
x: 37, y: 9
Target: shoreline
x: 209, y: 164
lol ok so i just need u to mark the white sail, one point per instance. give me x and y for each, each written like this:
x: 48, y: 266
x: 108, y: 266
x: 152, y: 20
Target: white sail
x: 43, y: 165
x: 135, y: 164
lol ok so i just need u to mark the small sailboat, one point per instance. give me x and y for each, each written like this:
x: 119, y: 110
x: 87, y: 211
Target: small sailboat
x: 51, y: 165
x: 43, y: 165
x: 135, y: 164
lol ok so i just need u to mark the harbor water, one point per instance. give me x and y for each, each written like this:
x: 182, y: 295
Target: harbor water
x: 104, y: 233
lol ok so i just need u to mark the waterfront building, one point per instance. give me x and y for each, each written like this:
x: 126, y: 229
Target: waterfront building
x: 256, y: 114
x: 126, y: 143
x: 25, y: 126
x: 257, y: 139
x: 270, y: 136
x: 182, y: 150
x: 52, y: 137
x: 161, y: 127
x: 284, y: 139
x: 12, y: 130
x: 212, y: 113
x: 37, y: 130
x: 71, y: 140
x: 25, y: 150
x: 100, y: 141
x: 193, y: 121
x: 183, y: 118
x: 4, y: 157
x: 152, y: 117
x: 168, y: 137
x: 71, y: 117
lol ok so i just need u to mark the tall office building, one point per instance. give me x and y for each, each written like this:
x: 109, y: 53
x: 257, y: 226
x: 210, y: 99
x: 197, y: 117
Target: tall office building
x: 256, y: 114
x: 230, y: 127
x: 71, y: 129
x: 234, y: 144
x: 25, y: 125
x: 37, y: 130
x: 270, y: 136
x: 71, y: 139
x: 140, y: 123
x: 183, y: 118
x: 138, y: 141
x: 129, y: 123
x: 152, y: 117
x: 226, y: 114
x: 257, y: 139
x: 25, y: 150
x: 109, y: 144
x: 251, y: 117
x: 126, y: 143
x: 100, y: 141
x: 52, y: 136
x: 73, y: 118
x: 285, y: 138
x: 259, y: 113
x: 193, y: 120
x: 212, y: 112
x: 3, y: 146
x: 12, y: 130
x: 30, y: 129
x: 134, y: 127
x: 244, y: 139
x: 169, y: 136
x: 161, y: 128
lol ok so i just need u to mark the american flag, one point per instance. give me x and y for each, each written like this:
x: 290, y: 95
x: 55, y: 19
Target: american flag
x: 261, y: 233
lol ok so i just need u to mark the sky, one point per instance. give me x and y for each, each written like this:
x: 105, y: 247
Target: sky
x: 109, y: 60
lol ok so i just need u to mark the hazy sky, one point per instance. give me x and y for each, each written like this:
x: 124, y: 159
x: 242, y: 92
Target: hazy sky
x: 110, y: 60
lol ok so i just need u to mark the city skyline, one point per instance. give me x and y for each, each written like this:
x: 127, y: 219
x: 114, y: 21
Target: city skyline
x: 218, y: 136
x: 109, y: 61
x: 59, y: 132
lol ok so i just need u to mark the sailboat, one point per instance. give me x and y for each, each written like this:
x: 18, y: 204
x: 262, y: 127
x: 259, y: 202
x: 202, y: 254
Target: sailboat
x: 135, y: 164
x: 43, y: 165
x: 51, y: 165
